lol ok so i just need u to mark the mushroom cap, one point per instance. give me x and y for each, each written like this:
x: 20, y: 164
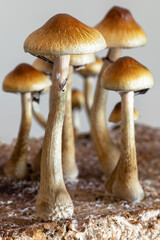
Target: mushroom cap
x: 92, y: 69
x: 119, y: 29
x: 115, y: 115
x: 25, y: 78
x: 64, y: 35
x: 77, y: 99
x: 43, y: 66
x: 126, y: 74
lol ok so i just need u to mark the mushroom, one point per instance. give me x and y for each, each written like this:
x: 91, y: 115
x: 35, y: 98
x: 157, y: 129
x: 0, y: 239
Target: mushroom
x: 77, y: 103
x: 24, y: 79
x: 60, y: 36
x: 70, y: 170
x: 89, y: 72
x: 127, y: 76
x: 120, y: 31
x: 115, y: 115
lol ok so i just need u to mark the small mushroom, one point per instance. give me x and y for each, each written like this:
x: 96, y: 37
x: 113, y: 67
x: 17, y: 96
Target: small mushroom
x: 89, y: 72
x: 61, y: 36
x: 115, y: 115
x: 120, y: 30
x: 77, y: 104
x: 23, y: 79
x: 127, y: 76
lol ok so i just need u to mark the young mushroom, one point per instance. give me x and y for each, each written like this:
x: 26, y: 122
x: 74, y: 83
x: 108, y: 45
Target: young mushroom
x: 115, y: 116
x: 120, y: 31
x: 60, y: 36
x: 127, y: 76
x: 23, y: 79
x: 89, y: 72
x: 78, y: 103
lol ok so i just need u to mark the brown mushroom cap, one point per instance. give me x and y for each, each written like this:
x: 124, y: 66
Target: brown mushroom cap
x: 43, y: 66
x: 77, y: 99
x: 64, y: 35
x: 92, y: 68
x: 25, y: 78
x: 115, y: 115
x: 126, y: 74
x: 119, y: 29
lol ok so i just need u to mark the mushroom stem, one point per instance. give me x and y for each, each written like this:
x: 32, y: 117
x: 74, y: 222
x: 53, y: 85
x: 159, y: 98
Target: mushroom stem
x: 38, y: 115
x: 76, y: 121
x: 88, y: 83
x: 17, y: 165
x: 70, y: 170
x: 126, y: 185
x: 53, y: 200
x: 107, y: 151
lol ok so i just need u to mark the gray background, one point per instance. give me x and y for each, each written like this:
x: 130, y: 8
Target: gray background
x: 19, y: 18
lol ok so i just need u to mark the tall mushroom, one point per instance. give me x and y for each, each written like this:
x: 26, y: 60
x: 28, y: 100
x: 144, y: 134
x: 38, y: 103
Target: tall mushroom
x: 24, y: 79
x: 60, y: 36
x: 120, y: 31
x: 127, y: 76
x: 70, y: 169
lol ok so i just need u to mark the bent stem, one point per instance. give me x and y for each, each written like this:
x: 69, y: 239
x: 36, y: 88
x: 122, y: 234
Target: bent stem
x: 70, y: 169
x: 108, y: 153
x: 17, y: 165
x: 53, y: 200
x: 126, y: 185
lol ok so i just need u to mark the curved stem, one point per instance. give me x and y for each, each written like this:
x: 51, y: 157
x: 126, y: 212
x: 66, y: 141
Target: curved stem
x: 38, y: 115
x: 70, y: 169
x: 107, y: 151
x: 53, y: 199
x: 17, y: 165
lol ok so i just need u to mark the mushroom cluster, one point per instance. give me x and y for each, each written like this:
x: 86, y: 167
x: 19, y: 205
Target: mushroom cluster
x: 64, y: 45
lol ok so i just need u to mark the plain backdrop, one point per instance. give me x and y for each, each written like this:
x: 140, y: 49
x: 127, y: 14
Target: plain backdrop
x: 19, y: 18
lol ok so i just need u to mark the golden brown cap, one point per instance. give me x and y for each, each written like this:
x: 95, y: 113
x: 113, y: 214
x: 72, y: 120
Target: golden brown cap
x: 119, y: 29
x: 126, y: 74
x: 43, y: 66
x: 64, y: 35
x: 25, y: 78
x: 115, y: 115
x: 77, y: 99
x: 92, y: 68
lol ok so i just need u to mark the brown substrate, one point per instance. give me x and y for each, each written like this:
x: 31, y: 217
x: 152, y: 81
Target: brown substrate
x: 98, y: 215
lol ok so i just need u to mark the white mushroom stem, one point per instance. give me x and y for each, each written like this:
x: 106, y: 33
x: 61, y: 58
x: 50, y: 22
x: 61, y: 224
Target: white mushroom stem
x: 76, y: 121
x: 108, y: 153
x: 88, y: 94
x: 126, y: 184
x: 38, y: 115
x: 17, y: 165
x: 70, y: 170
x: 53, y: 200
